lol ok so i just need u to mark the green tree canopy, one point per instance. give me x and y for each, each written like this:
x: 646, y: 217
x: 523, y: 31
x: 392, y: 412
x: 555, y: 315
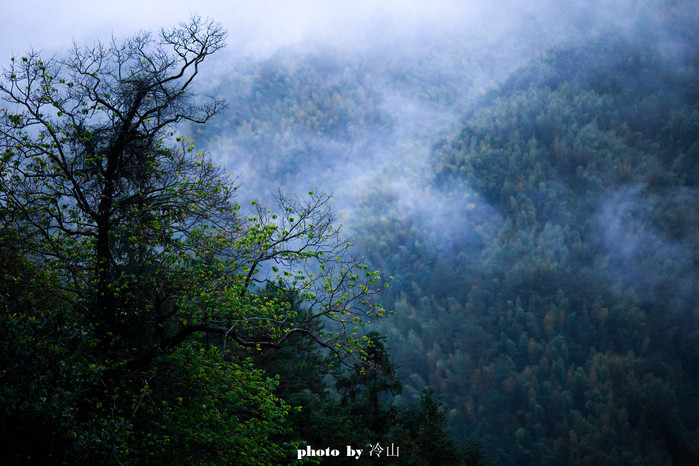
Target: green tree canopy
x: 146, y: 249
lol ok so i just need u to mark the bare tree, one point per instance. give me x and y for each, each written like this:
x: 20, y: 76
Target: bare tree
x: 83, y: 137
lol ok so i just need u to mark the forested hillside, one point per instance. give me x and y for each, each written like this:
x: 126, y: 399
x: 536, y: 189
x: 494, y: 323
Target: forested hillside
x: 543, y: 255
x: 573, y: 336
x: 524, y: 204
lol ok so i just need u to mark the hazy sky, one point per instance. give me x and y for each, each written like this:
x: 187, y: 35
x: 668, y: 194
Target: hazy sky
x: 263, y: 25
x: 54, y: 25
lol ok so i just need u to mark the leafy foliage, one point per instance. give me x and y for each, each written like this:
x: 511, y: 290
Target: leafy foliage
x: 338, y: 405
x: 139, y: 250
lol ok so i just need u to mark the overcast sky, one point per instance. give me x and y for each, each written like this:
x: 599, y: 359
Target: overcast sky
x: 263, y: 25
x: 53, y: 26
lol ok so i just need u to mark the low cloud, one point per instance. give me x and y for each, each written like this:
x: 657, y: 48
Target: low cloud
x: 648, y: 250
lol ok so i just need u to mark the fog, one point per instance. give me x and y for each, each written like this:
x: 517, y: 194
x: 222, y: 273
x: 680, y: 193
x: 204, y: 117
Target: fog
x: 423, y: 65
x: 264, y: 26
x: 658, y: 265
x: 401, y: 80
x: 255, y: 27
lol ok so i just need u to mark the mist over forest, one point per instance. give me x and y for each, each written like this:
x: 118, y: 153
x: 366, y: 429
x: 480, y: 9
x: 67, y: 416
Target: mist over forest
x: 525, y: 178
x: 532, y: 191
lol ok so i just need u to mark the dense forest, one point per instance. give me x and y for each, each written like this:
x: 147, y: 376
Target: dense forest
x: 149, y: 317
x: 528, y: 221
